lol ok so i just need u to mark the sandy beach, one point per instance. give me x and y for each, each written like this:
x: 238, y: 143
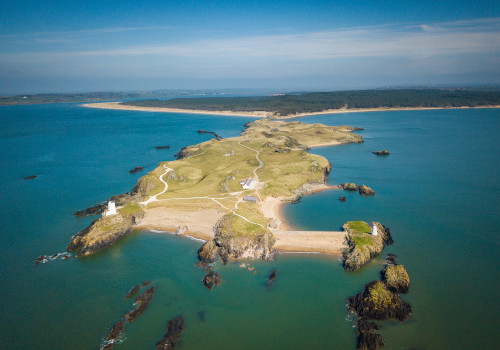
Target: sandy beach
x: 264, y: 114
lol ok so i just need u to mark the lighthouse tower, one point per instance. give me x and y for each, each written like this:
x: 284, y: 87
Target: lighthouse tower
x: 111, y: 209
x: 374, y: 228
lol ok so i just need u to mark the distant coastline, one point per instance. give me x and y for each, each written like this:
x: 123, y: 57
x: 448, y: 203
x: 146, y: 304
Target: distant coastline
x: 264, y: 114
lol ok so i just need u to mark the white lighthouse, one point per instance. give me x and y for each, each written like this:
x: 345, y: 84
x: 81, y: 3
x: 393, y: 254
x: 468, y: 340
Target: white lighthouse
x: 374, y: 228
x: 111, y: 209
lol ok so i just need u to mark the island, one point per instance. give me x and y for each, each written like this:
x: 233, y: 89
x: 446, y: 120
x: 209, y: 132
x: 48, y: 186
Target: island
x: 228, y: 192
x: 284, y: 106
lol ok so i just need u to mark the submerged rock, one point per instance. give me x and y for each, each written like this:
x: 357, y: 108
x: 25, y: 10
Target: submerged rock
x: 342, y: 199
x: 162, y: 147
x: 136, y: 289
x: 141, y: 304
x: 396, y: 278
x: 171, y: 337
x: 377, y: 302
x: 366, y: 191
x: 391, y: 259
x: 381, y: 153
x: 212, y: 279
x: 272, y: 278
x: 367, y: 338
x: 31, y: 177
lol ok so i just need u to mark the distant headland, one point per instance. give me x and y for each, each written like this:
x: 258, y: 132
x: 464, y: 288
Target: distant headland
x: 298, y: 105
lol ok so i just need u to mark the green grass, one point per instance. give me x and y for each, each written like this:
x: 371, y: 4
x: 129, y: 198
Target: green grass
x: 359, y: 226
x: 362, y: 239
x: 130, y: 209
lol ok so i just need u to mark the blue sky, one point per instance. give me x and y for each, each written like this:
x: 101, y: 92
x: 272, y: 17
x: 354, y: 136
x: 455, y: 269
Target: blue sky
x: 68, y: 46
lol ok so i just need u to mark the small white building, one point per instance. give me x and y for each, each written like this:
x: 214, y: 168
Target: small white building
x: 250, y: 199
x: 111, y: 209
x: 374, y: 228
x: 249, y: 184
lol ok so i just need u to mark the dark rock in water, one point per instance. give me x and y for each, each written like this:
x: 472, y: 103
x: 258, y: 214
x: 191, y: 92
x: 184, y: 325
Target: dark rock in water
x: 41, y: 259
x: 136, y: 289
x: 365, y: 326
x: 171, y: 337
x: 210, y: 132
x: 201, y: 315
x: 377, y: 302
x: 31, y: 177
x: 212, y: 279
x: 208, y: 252
x: 342, y: 199
x: 381, y: 153
x: 388, y: 240
x: 136, y: 169
x: 349, y: 186
x: 162, y: 147
x: 203, y: 266
x: 391, y: 258
x: 272, y: 278
x: 115, y: 332
x: 141, y: 304
x: 357, y: 128
x: 366, y: 191
x: 396, y: 278
x: 95, y: 210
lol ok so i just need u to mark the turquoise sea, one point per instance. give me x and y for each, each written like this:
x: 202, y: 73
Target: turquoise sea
x: 438, y: 192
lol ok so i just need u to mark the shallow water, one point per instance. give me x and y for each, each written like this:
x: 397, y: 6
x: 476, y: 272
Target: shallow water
x: 437, y: 191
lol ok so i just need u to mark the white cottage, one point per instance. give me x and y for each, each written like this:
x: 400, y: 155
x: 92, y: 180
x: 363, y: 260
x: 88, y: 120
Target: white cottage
x: 249, y: 184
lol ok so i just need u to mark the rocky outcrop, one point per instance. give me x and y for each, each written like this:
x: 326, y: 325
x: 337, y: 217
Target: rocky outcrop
x: 349, y: 186
x: 43, y: 259
x: 381, y: 153
x: 172, y: 335
x: 396, y: 278
x: 141, y: 304
x: 272, y: 278
x: 377, y: 302
x: 115, y: 331
x: 103, y: 233
x: 342, y: 199
x: 367, y: 338
x: 362, y: 247
x: 209, y: 252
x: 366, y: 191
x: 212, y: 279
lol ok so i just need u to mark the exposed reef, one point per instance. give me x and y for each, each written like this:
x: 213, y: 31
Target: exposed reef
x: 141, y: 304
x: 367, y: 338
x: 135, y: 289
x: 31, y: 177
x: 162, y: 147
x: 172, y: 335
x: 342, y: 199
x: 43, y: 259
x: 362, y: 245
x: 381, y: 153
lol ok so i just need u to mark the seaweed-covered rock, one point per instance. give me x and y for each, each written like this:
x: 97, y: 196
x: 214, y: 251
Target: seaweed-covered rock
x: 208, y: 252
x: 162, y: 147
x: 349, y: 186
x: 115, y: 331
x: 367, y: 338
x: 136, y: 169
x: 342, y: 199
x: 171, y: 337
x: 272, y: 278
x: 141, y: 304
x: 396, y: 278
x: 136, y: 289
x: 377, y: 302
x: 212, y: 279
x: 391, y: 259
x: 381, y: 153
x: 31, y: 177
x: 366, y: 191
